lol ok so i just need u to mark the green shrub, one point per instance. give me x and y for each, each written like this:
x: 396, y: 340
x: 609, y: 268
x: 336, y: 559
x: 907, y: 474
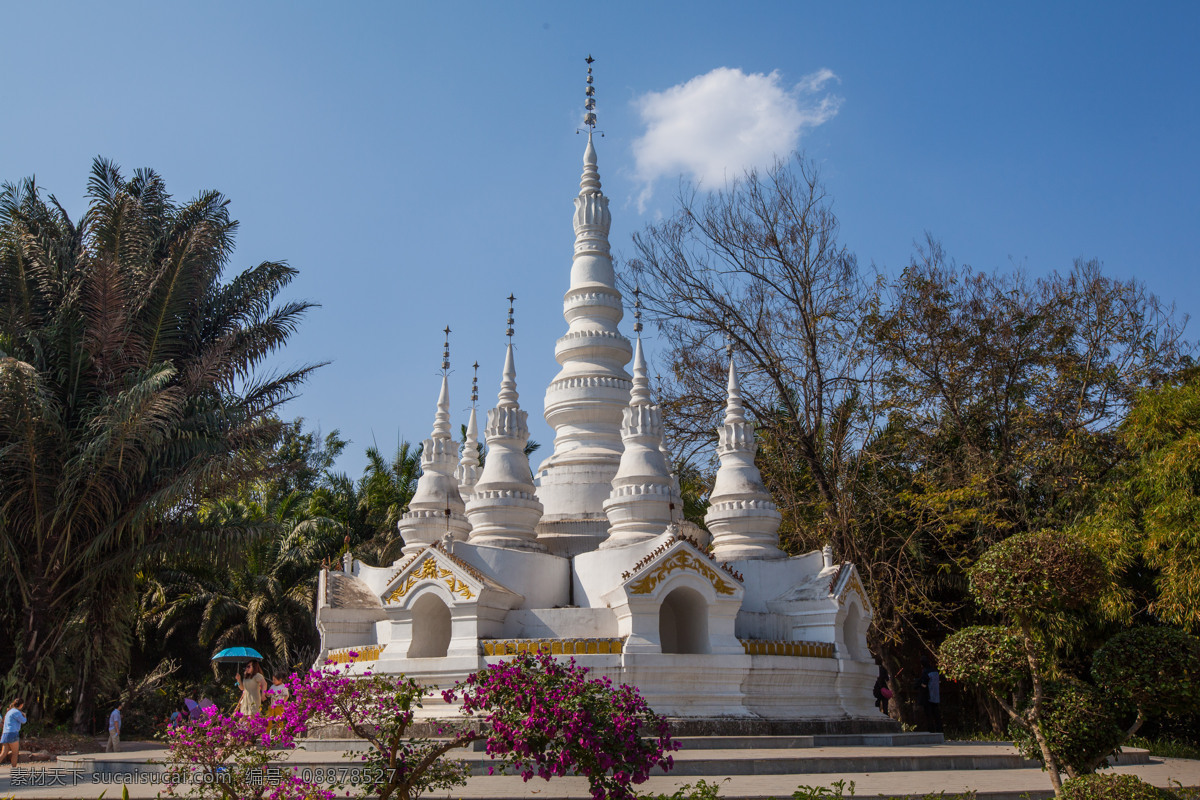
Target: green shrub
x: 985, y: 656
x: 1037, y: 573
x: 839, y: 788
x: 1113, y: 787
x: 1165, y: 747
x: 1079, y: 725
x: 703, y: 790
x: 1158, y: 669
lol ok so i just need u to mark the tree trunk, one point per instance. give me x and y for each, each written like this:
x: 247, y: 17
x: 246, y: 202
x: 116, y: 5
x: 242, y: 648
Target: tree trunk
x: 1036, y: 711
x: 905, y: 705
x: 84, y: 698
x: 39, y: 630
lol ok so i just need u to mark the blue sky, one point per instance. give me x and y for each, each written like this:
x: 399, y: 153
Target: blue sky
x: 416, y: 161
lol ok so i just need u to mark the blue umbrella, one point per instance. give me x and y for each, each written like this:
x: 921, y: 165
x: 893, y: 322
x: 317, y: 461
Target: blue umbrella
x: 234, y: 654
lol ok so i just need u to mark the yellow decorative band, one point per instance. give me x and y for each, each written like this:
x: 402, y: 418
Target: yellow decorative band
x: 349, y: 655
x: 556, y: 647
x: 764, y: 647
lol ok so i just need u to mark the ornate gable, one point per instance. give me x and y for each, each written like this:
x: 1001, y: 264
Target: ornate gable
x: 680, y: 554
x: 845, y: 581
x: 433, y: 565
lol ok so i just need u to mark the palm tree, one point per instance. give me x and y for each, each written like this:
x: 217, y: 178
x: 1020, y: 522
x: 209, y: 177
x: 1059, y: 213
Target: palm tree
x: 384, y: 492
x: 265, y: 599
x: 130, y: 391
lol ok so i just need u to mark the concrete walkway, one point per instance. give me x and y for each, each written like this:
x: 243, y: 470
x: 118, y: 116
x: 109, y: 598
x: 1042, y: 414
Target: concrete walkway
x: 990, y: 784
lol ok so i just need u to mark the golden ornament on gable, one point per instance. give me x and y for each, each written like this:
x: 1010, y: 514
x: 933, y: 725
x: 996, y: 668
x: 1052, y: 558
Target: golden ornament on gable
x: 429, y: 570
x: 680, y: 560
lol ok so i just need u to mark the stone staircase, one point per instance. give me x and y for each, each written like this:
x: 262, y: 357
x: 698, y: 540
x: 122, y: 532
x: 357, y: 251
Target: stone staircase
x: 883, y: 765
x: 824, y: 754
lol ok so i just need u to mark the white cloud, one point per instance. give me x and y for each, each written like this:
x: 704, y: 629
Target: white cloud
x: 715, y: 126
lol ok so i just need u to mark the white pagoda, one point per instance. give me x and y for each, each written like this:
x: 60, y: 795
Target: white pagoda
x: 589, y: 557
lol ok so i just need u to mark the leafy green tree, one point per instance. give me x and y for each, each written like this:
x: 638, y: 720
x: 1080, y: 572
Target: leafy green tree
x: 261, y: 598
x: 1028, y: 579
x: 1148, y: 525
x: 1035, y: 581
x: 131, y: 391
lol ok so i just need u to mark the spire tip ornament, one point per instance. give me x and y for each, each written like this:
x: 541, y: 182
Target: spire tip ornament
x: 637, y: 310
x: 589, y: 102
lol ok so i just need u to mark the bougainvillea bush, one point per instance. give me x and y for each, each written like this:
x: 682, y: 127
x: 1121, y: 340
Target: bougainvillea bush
x: 547, y: 718
x: 228, y: 757
x: 536, y: 715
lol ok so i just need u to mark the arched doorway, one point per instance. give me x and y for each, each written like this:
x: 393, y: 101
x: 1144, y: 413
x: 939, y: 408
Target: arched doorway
x: 853, y: 632
x: 683, y: 622
x: 431, y: 627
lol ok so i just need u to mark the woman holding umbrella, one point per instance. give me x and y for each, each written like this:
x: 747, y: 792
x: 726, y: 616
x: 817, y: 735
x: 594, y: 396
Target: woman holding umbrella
x: 253, y: 684
x: 249, y: 679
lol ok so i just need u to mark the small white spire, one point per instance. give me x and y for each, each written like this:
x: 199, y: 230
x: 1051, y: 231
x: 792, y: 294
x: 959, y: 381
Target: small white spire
x: 589, y: 182
x: 645, y: 496
x: 640, y: 394
x: 742, y: 518
x: 473, y: 430
x: 508, y: 382
x: 436, y: 508
x: 467, y: 472
x: 503, y: 509
x: 441, y: 421
x: 734, y: 410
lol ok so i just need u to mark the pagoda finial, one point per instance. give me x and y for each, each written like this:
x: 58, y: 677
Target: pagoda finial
x: 590, y: 182
x: 508, y: 383
x: 589, y: 104
x: 441, y: 422
x: 475, y: 385
x: 637, y: 310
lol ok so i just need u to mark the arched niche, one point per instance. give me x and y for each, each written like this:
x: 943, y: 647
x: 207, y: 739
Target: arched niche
x: 854, y: 632
x: 683, y: 622
x: 430, y: 627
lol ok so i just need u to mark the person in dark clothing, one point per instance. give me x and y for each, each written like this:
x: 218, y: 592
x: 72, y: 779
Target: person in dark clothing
x: 931, y: 694
x: 882, y: 691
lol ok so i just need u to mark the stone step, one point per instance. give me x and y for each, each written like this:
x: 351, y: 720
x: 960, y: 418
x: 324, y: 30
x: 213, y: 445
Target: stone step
x: 701, y: 762
x: 342, y: 745
x: 802, y: 742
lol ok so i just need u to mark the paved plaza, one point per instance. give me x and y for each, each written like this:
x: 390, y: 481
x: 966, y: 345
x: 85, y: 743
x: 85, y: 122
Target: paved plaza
x: 72, y: 777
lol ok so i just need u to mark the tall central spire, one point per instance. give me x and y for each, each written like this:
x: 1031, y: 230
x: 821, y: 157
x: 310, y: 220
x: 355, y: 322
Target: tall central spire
x: 586, y: 400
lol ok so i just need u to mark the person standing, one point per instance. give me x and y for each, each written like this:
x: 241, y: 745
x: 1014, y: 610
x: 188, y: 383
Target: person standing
x: 114, y: 730
x: 882, y: 691
x: 10, y: 739
x: 931, y: 694
x: 253, y: 684
x: 278, y: 694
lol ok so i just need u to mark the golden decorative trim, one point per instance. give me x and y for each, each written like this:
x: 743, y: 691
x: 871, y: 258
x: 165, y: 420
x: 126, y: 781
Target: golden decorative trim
x: 557, y: 647
x: 680, y: 560
x: 429, y: 570
x: 766, y: 647
x: 350, y: 655
x: 854, y: 584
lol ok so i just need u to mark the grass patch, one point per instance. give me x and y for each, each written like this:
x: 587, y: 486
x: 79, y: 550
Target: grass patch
x: 1164, y: 747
